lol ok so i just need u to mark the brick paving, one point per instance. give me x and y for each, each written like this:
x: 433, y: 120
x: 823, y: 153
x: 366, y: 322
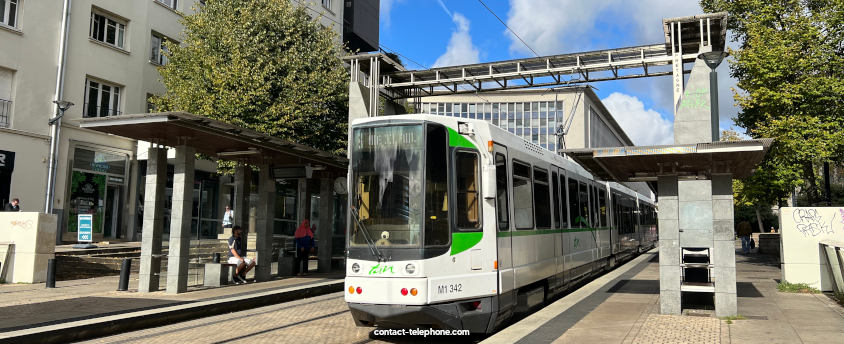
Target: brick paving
x: 322, y: 319
x: 676, y: 329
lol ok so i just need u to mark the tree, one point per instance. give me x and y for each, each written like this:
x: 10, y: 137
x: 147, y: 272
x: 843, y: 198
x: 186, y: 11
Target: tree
x: 791, y: 67
x: 261, y: 64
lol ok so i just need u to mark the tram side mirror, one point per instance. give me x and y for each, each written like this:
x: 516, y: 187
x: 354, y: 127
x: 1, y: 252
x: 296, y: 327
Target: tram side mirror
x: 488, y: 184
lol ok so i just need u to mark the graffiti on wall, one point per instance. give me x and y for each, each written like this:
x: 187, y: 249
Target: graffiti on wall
x: 810, y: 222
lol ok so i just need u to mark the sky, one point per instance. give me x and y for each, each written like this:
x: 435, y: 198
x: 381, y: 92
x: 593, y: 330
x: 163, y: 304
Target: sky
x: 438, y: 33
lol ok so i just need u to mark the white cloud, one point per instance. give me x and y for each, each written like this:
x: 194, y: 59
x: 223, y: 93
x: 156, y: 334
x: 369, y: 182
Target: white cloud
x: 644, y: 127
x: 460, y: 48
x: 559, y: 26
x: 385, y: 8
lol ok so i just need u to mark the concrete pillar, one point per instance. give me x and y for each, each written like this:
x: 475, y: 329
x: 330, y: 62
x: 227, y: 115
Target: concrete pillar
x: 180, y: 220
x: 324, y: 231
x: 669, y: 246
x: 156, y: 179
x: 693, y: 118
x: 264, y: 224
x: 242, y: 187
x: 724, y: 252
x: 304, y: 201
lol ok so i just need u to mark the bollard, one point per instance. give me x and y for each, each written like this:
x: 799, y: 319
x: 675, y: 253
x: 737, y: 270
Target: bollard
x: 51, y: 273
x: 124, y: 275
x: 216, y: 258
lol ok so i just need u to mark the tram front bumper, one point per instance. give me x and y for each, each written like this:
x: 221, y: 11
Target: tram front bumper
x: 459, y: 315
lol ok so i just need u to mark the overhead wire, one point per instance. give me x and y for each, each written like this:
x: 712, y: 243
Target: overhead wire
x: 508, y: 28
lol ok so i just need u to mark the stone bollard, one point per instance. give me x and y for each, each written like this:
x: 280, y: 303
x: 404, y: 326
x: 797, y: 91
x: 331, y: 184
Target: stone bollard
x: 51, y: 273
x: 123, y: 285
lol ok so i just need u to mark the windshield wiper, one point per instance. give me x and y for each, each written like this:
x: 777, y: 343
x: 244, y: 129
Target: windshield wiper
x: 367, y: 238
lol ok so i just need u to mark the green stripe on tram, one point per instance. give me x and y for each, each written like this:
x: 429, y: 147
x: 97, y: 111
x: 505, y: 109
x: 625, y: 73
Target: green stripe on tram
x: 548, y: 231
x: 463, y: 241
x: 457, y: 140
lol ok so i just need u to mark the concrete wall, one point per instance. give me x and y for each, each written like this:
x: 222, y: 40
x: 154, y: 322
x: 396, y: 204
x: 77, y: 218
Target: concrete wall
x: 802, y: 230
x: 33, y: 235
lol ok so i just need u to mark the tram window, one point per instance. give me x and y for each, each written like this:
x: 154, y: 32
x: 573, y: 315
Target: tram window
x: 466, y: 167
x: 583, y: 205
x: 602, y: 208
x: 556, y: 191
x: 436, y: 187
x: 541, y: 198
x: 564, y: 218
x: 522, y: 196
x: 573, y: 204
x: 501, y: 192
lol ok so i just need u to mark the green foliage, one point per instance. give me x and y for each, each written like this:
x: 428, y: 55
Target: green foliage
x: 729, y: 319
x: 786, y: 287
x: 261, y: 64
x: 790, y: 66
x: 838, y: 297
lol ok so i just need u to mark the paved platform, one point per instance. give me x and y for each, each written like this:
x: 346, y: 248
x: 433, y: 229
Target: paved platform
x: 86, y: 308
x: 622, y: 306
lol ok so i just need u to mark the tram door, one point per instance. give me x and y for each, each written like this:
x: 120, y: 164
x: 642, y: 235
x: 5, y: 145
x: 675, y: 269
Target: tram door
x: 506, y: 276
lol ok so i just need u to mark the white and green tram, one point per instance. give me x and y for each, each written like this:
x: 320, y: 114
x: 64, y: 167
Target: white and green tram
x: 457, y: 224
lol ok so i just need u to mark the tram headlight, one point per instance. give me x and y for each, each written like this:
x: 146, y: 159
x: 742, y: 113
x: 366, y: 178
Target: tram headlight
x: 355, y: 267
x: 410, y: 268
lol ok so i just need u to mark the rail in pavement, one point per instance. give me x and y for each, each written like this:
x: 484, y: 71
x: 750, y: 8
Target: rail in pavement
x: 118, y: 312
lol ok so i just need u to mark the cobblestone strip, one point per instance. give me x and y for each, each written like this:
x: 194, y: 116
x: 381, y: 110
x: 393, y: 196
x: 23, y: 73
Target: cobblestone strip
x: 672, y: 329
x: 640, y: 322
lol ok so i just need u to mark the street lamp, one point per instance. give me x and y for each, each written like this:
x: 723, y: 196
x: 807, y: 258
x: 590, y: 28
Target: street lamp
x: 713, y: 59
x: 56, y: 123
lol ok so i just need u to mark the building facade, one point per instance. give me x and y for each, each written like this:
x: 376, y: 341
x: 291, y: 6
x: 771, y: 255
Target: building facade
x: 108, y: 68
x: 537, y: 114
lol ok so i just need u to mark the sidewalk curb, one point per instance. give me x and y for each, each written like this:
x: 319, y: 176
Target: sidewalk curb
x: 102, y: 326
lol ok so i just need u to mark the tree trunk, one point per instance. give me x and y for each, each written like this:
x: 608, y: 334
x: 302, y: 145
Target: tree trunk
x: 812, y: 190
x: 759, y: 219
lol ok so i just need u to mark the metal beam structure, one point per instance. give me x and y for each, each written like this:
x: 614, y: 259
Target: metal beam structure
x: 685, y: 38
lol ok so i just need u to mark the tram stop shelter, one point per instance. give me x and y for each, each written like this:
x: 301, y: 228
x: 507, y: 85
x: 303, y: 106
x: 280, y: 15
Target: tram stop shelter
x: 191, y: 134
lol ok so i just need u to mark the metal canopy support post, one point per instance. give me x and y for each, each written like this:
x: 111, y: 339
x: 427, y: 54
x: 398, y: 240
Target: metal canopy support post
x: 242, y: 186
x: 180, y: 220
x: 153, y: 225
x: 264, y: 224
x: 326, y: 224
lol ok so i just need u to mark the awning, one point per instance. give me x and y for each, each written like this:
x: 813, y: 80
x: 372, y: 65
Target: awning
x: 646, y: 163
x: 214, y: 138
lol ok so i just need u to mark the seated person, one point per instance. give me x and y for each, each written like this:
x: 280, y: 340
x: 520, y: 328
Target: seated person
x: 237, y: 255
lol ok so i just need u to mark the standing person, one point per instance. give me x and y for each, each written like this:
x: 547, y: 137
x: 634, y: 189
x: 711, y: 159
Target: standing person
x: 14, y: 206
x: 228, y: 216
x: 304, y: 238
x: 744, y: 230
x: 237, y: 255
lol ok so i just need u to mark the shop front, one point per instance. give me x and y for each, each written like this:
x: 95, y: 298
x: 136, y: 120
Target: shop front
x: 98, y: 186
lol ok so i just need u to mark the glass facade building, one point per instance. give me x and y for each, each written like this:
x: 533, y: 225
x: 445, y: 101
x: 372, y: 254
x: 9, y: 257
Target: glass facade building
x: 534, y: 121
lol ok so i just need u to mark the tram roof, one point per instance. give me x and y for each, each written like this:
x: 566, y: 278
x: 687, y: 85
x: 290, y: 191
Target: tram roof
x: 213, y: 138
x: 646, y: 163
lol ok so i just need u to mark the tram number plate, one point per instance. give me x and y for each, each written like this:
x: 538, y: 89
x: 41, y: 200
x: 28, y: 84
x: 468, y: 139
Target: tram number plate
x: 449, y: 288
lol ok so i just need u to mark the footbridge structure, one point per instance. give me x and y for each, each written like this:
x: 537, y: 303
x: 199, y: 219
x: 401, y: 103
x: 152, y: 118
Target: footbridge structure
x: 693, y: 177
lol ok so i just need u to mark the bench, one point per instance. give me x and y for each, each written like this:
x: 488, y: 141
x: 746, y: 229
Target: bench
x: 219, y: 274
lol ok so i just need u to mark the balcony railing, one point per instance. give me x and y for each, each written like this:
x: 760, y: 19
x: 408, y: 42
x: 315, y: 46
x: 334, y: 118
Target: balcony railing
x: 99, y: 111
x: 5, y: 112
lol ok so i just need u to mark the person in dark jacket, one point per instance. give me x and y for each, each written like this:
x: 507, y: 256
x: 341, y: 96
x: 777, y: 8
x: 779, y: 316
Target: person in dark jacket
x: 743, y: 230
x: 304, y: 238
x: 13, y: 206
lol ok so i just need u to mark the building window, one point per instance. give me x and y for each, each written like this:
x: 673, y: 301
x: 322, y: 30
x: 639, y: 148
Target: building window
x: 158, y: 51
x: 5, y: 96
x: 168, y: 3
x: 107, y: 30
x: 325, y: 3
x: 101, y: 99
x: 150, y: 105
x: 8, y: 12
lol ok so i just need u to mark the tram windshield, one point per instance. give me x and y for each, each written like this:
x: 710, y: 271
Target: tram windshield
x: 390, y: 193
